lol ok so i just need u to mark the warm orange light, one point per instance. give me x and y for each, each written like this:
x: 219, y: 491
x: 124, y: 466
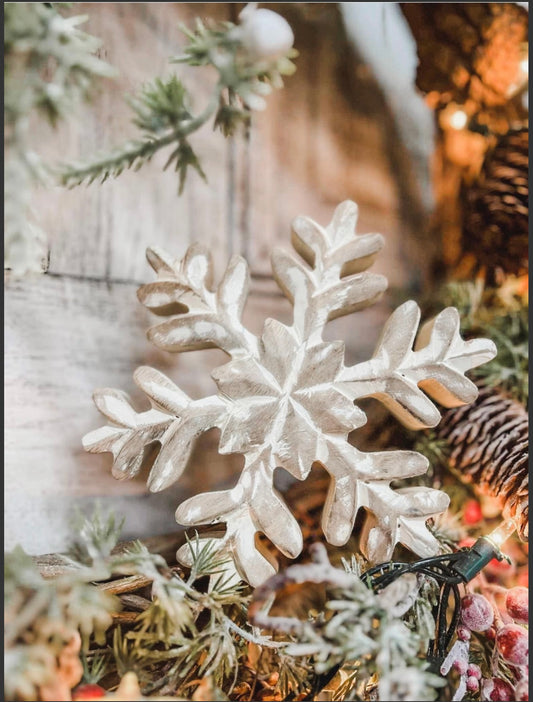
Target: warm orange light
x: 501, y: 534
x: 458, y: 119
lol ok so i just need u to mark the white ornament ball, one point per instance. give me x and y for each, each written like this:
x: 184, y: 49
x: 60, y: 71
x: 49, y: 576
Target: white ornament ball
x: 265, y: 34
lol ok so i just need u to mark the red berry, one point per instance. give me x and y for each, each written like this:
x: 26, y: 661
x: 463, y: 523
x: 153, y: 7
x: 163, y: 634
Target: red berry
x: 472, y: 684
x: 523, y: 578
x: 460, y: 666
x: 497, y: 567
x: 476, y: 612
x: 497, y: 690
x: 474, y: 671
x: 512, y: 643
x: 472, y: 513
x: 521, y: 691
x: 516, y: 602
x: 463, y: 634
x: 491, y: 633
x: 88, y: 692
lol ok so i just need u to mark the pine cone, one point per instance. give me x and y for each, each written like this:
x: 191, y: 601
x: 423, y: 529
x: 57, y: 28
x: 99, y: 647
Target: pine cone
x: 489, y: 447
x: 496, y: 210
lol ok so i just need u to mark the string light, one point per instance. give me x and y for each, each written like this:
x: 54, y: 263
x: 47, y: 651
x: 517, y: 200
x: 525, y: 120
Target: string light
x: 474, y: 559
x: 450, y: 571
x: 501, y: 534
x: 458, y: 119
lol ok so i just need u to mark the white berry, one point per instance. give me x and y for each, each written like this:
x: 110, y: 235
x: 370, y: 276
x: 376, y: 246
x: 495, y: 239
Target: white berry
x: 265, y: 34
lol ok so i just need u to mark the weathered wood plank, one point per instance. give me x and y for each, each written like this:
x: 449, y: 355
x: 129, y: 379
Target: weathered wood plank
x: 66, y: 337
x: 307, y: 151
x: 102, y: 231
x: 80, y: 327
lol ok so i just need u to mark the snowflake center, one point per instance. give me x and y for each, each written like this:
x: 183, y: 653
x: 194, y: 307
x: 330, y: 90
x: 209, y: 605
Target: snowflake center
x: 290, y: 383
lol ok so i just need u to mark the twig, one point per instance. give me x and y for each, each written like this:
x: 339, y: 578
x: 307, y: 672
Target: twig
x: 124, y: 585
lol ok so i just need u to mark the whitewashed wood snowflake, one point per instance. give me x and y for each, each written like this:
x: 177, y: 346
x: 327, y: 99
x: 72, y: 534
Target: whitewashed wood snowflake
x: 287, y: 399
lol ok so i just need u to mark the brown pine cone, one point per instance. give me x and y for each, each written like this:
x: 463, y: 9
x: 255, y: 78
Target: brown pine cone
x: 496, y: 210
x: 489, y: 447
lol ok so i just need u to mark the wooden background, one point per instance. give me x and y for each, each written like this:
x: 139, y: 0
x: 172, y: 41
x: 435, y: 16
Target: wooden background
x: 326, y: 137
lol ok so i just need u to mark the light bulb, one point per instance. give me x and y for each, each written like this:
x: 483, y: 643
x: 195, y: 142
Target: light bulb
x: 501, y: 533
x: 475, y: 558
x: 458, y: 119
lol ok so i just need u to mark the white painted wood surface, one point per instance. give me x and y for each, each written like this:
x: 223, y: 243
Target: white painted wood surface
x: 80, y: 326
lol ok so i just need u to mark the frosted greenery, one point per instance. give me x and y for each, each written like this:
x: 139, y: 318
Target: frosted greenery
x: 49, y: 66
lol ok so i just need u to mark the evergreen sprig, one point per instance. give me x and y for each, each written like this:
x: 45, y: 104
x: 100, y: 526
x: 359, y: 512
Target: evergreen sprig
x: 194, y: 630
x: 41, y: 618
x: 94, y: 539
x: 50, y: 63
x: 367, y: 636
x: 509, y: 370
x: 163, y: 113
x: 190, y: 630
x: 49, y: 66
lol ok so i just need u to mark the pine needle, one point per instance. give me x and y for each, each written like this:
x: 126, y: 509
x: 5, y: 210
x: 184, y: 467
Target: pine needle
x: 163, y: 115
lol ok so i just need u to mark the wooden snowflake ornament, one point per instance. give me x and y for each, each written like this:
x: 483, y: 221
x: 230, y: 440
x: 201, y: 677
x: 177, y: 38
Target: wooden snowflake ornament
x: 286, y: 399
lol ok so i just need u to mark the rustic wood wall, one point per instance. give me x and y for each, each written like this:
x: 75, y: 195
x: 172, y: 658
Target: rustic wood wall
x: 326, y: 137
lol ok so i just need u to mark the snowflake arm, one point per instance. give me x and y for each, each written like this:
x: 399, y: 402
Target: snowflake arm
x: 173, y: 424
x: 399, y: 517
x: 201, y: 317
x: 252, y: 506
x: 397, y: 374
x: 396, y: 516
x: 130, y: 434
x: 334, y: 283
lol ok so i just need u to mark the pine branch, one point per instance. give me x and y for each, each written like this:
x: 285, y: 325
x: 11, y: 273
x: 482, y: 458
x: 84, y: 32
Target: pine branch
x: 38, y: 37
x: 43, y: 617
x: 186, y: 632
x: 163, y: 118
x: 162, y: 114
x: 95, y: 665
x: 95, y: 538
x: 360, y: 631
